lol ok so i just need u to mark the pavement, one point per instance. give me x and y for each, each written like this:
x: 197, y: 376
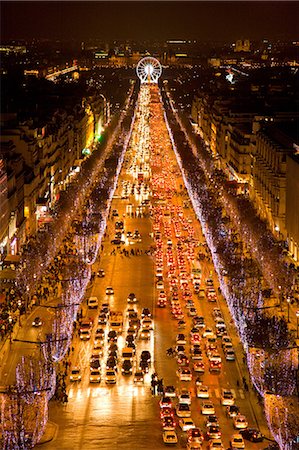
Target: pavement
x: 49, y: 434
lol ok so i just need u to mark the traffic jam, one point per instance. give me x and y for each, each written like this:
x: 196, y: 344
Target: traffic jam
x: 183, y: 284
x: 122, y: 340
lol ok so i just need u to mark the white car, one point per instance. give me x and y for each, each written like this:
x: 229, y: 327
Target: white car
x: 160, y: 284
x: 207, y: 408
x: 170, y: 437
x: 184, y: 374
x: 215, y: 444
x: 215, y: 357
x: 240, y: 422
x: 202, y: 391
x: 95, y: 376
x: 227, y: 397
x: 193, y: 446
x: 145, y: 334
x: 199, y: 367
x: 147, y: 323
x: 237, y: 441
x: 109, y: 291
x: 185, y: 397
x: 110, y: 377
x: 186, y: 423
x: 230, y: 355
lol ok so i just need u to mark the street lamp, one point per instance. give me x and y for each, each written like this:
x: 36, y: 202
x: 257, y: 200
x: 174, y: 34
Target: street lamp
x: 288, y: 302
x: 10, y: 327
x: 19, y: 308
x: 297, y: 315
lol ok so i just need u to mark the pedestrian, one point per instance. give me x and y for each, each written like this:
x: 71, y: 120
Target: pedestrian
x: 238, y: 383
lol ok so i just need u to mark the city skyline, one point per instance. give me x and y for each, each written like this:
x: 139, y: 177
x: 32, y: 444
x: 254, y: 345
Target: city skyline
x: 149, y: 20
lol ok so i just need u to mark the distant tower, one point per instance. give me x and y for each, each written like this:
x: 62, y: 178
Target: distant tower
x: 242, y: 45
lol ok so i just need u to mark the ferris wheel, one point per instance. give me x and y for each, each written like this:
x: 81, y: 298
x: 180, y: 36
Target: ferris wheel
x: 149, y: 70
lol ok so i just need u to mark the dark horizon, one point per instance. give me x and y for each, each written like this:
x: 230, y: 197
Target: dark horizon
x: 206, y: 21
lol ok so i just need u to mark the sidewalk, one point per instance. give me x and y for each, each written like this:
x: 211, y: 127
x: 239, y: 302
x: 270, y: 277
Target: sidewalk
x: 49, y: 434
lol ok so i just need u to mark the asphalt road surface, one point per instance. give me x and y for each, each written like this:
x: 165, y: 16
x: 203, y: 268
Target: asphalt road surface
x: 125, y: 415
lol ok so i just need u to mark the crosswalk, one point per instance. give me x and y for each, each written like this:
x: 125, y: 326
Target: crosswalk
x: 216, y: 393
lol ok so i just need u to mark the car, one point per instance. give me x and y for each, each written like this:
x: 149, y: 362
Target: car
x: 208, y: 332
x: 145, y: 334
x: 251, y: 434
x: 182, y: 360
x: 147, y: 323
x: 227, y: 397
x: 92, y: 303
x: 230, y: 355
x: 132, y: 298
x: 126, y: 368
x: 145, y: 356
x: 144, y: 366
x: 168, y: 423
x: 138, y: 377
x: 207, y: 408
x: 184, y: 397
x: 232, y: 411
x: 165, y: 402
x: 102, y: 320
x: 85, y: 335
x: 213, y: 432
x: 160, y: 284
x: 240, y: 422
x: 110, y: 377
x: 161, y: 303
x: 170, y: 437
x: 95, y: 376
x: 183, y: 410
x: 202, y: 391
x: 166, y: 412
x: 199, y: 367
x: 109, y: 291
x: 75, y: 374
x: 101, y: 273
x: 186, y: 423
x: 215, y: 444
x: 146, y: 313
x: 193, y: 446
x: 111, y: 363
x: 184, y: 374
x: 112, y: 336
x: 237, y: 441
x: 169, y: 391
x: 37, y: 322
x: 196, y: 354
x: 215, y: 366
x: 195, y: 435
x: 181, y: 339
x: 181, y: 324
x: 116, y: 241
x: 95, y: 363
x: 212, y: 420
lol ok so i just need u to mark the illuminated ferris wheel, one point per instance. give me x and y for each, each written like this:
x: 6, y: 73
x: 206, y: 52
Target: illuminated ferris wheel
x: 149, y: 70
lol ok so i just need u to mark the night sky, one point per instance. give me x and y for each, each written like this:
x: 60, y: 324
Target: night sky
x: 150, y: 20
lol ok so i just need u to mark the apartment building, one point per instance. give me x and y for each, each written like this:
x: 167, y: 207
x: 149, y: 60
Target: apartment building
x: 37, y: 162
